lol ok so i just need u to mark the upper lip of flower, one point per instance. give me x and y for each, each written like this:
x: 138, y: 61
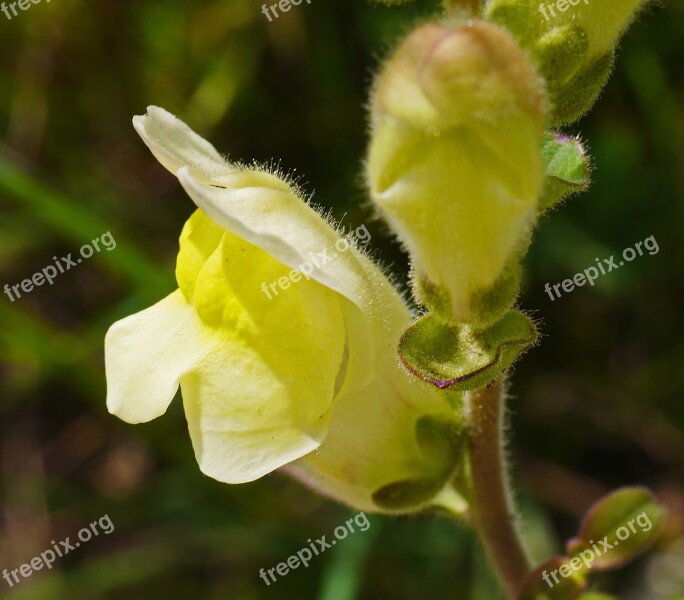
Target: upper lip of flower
x: 281, y: 222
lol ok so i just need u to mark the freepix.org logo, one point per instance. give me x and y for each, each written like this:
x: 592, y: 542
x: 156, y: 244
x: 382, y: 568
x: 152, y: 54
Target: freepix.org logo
x: 561, y: 5
x: 283, y: 5
x: 6, y: 7
x: 589, y: 555
x: 58, y: 550
x: 360, y: 237
x: 307, y: 553
x: 605, y: 266
x: 60, y: 265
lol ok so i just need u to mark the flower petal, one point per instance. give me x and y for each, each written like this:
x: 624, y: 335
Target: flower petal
x: 198, y: 240
x: 266, y: 211
x: 270, y: 213
x: 258, y: 373
x: 372, y: 441
x: 264, y: 395
x: 175, y: 145
x: 145, y: 355
x: 261, y: 208
x: 244, y: 416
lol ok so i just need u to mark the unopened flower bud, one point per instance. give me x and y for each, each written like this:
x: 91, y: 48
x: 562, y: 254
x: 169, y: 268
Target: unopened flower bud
x: 455, y: 164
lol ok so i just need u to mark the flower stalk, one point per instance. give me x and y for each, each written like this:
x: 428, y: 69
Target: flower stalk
x: 492, y: 506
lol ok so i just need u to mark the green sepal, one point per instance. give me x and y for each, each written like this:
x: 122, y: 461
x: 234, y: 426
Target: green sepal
x: 442, y: 442
x: 409, y: 493
x: 487, y: 306
x: 629, y: 513
x: 567, y: 169
x: 579, y: 93
x: 517, y: 17
x: 560, y: 52
x: 541, y: 584
x: 461, y: 357
x: 574, y: 52
x: 492, y: 304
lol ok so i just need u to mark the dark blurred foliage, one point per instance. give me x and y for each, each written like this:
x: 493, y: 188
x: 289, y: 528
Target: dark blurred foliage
x: 597, y: 405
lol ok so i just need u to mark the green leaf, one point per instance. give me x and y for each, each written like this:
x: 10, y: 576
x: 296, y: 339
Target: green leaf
x: 567, y: 169
x: 596, y: 596
x: 463, y: 358
x: 553, y: 580
x: 618, y: 528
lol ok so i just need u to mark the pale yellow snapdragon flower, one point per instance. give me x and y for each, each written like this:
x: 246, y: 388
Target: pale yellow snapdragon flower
x: 309, y: 380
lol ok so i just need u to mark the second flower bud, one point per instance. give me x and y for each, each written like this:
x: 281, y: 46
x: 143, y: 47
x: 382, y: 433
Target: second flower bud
x: 455, y: 164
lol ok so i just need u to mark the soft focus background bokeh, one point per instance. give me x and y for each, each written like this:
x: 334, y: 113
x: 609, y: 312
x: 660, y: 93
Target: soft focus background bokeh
x: 599, y: 404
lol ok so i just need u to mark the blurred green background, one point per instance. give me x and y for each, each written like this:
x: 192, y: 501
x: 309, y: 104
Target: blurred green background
x: 599, y: 404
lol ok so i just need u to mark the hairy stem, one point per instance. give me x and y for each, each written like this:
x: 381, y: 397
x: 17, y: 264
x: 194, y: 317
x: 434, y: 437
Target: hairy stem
x: 492, y: 507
